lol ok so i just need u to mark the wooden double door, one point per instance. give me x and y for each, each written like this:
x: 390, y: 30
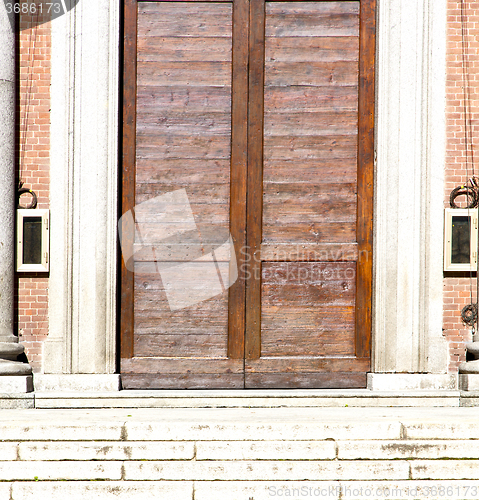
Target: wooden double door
x: 248, y: 119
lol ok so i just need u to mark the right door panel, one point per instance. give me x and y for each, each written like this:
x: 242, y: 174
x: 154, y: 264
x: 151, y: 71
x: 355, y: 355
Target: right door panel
x: 310, y: 229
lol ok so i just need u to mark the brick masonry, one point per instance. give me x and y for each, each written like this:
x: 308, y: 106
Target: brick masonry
x: 33, y: 152
x: 462, y: 127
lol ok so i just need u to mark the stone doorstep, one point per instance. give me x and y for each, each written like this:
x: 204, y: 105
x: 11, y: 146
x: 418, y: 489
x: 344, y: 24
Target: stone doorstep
x: 236, y: 399
x: 103, y: 391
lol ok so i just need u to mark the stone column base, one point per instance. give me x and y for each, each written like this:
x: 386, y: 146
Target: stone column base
x: 469, y: 382
x: 77, y: 382
x: 412, y: 381
x: 16, y: 384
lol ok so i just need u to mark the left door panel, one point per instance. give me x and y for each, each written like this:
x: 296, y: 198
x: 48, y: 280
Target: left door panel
x: 175, y: 322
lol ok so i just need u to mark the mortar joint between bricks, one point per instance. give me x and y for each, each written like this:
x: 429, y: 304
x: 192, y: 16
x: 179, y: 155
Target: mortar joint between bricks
x: 194, y: 452
x: 402, y: 432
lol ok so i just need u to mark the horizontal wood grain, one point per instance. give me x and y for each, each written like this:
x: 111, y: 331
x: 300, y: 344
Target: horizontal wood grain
x: 310, y: 99
x: 328, y: 171
x: 305, y: 380
x: 320, y: 19
x: 185, y: 48
x: 328, y: 317
x: 309, y: 252
x: 316, y: 74
x: 310, y: 232
x: 207, y: 123
x: 177, y: 366
x: 197, y: 193
x: 278, y: 191
x: 310, y: 147
x: 311, y: 123
x: 184, y: 73
x: 178, y: 345
x: 311, y: 49
x: 297, y: 342
x: 180, y: 171
x: 202, y: 19
x: 307, y: 364
x: 183, y: 380
x: 320, y: 211
x: 174, y: 98
x: 156, y: 146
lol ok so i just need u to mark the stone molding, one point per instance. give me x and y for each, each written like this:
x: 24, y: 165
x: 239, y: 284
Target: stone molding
x: 409, y: 180
x: 84, y: 186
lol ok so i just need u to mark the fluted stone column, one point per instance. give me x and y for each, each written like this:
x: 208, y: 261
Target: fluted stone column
x: 9, y: 346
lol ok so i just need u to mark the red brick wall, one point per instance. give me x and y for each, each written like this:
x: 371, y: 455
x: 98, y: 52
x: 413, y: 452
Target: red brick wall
x: 457, y: 287
x: 33, y: 138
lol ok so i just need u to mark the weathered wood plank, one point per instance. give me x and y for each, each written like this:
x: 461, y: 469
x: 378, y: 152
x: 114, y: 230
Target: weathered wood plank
x: 307, y: 364
x: 255, y: 177
x: 208, y: 123
x: 328, y: 171
x: 310, y: 147
x: 311, y: 232
x: 279, y: 192
x: 311, y: 49
x: 197, y: 193
x: 194, y: 49
x: 291, y: 290
x: 169, y: 73
x: 204, y: 214
x: 303, y: 295
x: 170, y: 19
x: 183, y: 380
x: 332, y: 210
x: 239, y: 175
x: 212, y: 147
x: 182, y: 171
x: 324, y: 252
x: 313, y: 123
x: 178, y: 99
x: 366, y: 176
x: 179, y: 345
x: 128, y: 168
x: 312, y: 19
x: 310, y: 99
x: 308, y: 319
x: 318, y: 342
x: 316, y: 74
x: 165, y: 255
x: 310, y: 273
x: 335, y: 380
x: 181, y: 366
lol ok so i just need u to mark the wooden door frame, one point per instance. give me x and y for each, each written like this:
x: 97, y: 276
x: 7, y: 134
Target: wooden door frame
x: 246, y: 172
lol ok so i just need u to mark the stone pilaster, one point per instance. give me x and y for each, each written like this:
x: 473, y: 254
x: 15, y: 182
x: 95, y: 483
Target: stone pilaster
x: 409, y: 177
x: 9, y: 346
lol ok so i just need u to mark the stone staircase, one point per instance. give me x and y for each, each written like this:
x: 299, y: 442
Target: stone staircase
x: 239, y: 453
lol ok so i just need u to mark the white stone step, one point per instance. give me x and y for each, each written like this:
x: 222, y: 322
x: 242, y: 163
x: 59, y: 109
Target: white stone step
x: 238, y: 453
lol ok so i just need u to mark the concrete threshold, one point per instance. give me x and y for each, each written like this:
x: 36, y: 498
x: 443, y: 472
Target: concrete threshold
x: 314, y: 398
